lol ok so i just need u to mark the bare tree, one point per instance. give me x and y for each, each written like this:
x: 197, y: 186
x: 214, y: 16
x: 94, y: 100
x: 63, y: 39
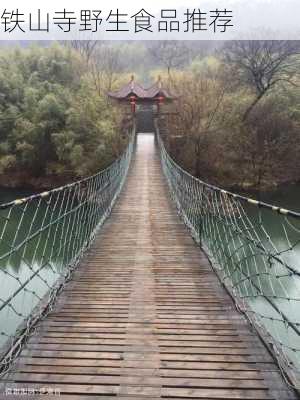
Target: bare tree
x: 103, y: 60
x: 86, y: 48
x: 106, y: 67
x: 265, y: 148
x: 197, y: 114
x: 171, y: 54
x: 262, y: 64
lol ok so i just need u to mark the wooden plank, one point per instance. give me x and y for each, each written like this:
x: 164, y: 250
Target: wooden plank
x: 171, y: 351
x: 176, y: 373
x: 215, y: 393
x: 55, y: 379
x: 101, y: 341
x: 174, y: 365
x: 70, y: 379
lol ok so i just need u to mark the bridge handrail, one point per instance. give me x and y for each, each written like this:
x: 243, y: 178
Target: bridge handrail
x: 252, y: 265
x: 249, y: 200
x: 46, y: 235
x: 47, y: 193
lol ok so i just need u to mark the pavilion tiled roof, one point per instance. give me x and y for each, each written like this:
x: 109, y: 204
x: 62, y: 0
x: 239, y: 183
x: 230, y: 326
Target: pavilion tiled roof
x: 132, y: 88
x: 135, y: 89
x: 158, y: 90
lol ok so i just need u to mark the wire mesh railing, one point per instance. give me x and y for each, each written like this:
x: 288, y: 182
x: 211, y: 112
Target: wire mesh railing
x: 255, y: 249
x: 42, y: 239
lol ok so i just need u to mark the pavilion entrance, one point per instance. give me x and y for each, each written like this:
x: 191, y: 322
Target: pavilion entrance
x: 145, y: 118
x: 144, y: 104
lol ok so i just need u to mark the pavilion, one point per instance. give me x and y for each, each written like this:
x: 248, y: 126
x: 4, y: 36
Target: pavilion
x: 134, y: 94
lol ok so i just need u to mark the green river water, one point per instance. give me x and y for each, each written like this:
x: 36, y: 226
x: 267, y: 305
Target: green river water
x: 18, y: 271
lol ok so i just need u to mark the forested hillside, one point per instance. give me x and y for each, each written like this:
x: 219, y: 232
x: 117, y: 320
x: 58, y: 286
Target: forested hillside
x: 55, y: 123
x: 236, y: 120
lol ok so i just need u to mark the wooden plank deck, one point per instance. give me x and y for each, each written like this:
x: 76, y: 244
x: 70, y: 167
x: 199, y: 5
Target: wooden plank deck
x: 145, y: 317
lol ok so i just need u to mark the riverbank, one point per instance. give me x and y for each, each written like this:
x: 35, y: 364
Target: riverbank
x: 35, y: 184
x: 285, y: 195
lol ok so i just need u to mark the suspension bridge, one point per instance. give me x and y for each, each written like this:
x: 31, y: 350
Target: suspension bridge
x: 137, y: 309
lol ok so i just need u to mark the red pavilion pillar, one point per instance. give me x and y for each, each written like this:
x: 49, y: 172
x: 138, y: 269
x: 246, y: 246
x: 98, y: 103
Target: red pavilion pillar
x: 133, y: 104
x: 160, y: 100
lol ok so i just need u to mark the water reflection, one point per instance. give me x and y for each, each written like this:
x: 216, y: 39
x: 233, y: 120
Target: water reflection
x: 30, y: 247
x: 281, y: 238
x: 265, y: 277
x: 262, y: 253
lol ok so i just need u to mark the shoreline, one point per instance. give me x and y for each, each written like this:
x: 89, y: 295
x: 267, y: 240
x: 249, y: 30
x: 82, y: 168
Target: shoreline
x: 23, y: 181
